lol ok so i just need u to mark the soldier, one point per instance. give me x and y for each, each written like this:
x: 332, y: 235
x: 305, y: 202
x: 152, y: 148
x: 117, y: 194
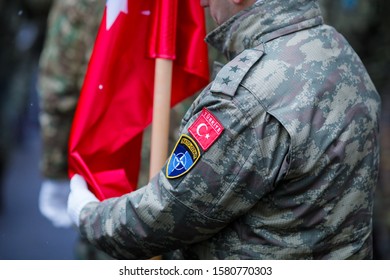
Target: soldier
x: 72, y: 28
x: 278, y: 156
x: 70, y: 37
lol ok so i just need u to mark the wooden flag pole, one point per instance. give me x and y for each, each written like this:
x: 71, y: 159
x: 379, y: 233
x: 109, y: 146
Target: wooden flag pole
x: 161, y: 115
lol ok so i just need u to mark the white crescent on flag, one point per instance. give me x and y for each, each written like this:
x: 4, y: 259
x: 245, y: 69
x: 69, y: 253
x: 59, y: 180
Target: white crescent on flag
x: 113, y: 9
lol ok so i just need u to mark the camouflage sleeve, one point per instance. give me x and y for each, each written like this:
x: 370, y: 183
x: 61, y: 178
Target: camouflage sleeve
x: 193, y: 198
x: 72, y: 27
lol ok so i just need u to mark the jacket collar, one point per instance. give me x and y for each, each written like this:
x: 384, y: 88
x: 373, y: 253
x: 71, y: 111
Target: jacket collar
x: 264, y: 21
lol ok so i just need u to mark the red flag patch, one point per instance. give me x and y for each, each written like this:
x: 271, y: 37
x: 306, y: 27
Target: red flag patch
x: 206, y: 129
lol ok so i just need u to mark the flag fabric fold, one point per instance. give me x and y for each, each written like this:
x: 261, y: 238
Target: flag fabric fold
x: 116, y: 101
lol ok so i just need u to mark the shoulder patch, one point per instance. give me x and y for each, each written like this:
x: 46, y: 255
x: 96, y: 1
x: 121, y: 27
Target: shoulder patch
x: 230, y: 76
x: 184, y: 156
x: 206, y: 129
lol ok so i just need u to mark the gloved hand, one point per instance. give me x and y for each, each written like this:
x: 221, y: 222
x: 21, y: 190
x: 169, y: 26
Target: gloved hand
x: 52, y: 201
x: 79, y: 197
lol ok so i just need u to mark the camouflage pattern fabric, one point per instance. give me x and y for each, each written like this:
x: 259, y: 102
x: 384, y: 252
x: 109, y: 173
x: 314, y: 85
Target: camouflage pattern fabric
x: 365, y: 24
x: 72, y: 30
x: 292, y: 170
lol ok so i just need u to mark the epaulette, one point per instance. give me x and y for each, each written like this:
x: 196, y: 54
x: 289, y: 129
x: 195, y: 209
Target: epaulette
x: 230, y: 76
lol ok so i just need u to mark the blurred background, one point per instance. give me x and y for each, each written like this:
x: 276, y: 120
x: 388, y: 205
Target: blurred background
x: 44, y: 49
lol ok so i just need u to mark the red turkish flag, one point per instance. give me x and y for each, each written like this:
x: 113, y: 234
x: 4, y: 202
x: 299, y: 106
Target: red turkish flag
x: 116, y: 100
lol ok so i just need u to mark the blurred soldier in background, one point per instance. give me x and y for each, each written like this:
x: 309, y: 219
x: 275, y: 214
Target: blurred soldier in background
x: 366, y: 26
x: 72, y: 28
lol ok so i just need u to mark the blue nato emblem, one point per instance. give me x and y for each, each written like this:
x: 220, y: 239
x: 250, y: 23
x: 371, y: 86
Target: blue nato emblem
x: 184, y: 156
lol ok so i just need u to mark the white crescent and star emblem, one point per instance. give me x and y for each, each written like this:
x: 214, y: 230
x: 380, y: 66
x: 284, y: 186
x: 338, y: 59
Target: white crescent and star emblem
x: 207, y: 136
x: 206, y: 129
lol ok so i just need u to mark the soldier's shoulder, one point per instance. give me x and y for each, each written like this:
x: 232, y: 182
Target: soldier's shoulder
x: 231, y: 75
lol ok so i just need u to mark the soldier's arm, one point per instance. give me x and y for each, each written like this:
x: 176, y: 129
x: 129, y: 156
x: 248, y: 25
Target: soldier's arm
x: 185, y: 204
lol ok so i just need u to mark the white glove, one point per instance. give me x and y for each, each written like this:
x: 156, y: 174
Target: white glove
x: 79, y: 197
x: 52, y: 201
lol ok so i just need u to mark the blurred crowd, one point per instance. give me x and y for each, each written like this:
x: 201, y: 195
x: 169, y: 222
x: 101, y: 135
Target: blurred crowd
x: 44, y: 50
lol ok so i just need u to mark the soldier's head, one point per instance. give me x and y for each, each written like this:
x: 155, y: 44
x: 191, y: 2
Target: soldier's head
x: 222, y: 10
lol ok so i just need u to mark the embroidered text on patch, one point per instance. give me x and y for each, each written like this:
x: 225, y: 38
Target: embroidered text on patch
x: 206, y: 129
x: 184, y: 156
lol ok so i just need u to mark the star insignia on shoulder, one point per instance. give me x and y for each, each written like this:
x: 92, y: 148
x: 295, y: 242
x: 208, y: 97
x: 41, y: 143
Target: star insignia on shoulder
x: 226, y: 80
x: 234, y: 69
x: 244, y: 59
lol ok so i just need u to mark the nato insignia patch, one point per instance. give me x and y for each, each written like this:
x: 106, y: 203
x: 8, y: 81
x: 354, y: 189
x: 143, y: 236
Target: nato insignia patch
x: 184, y: 156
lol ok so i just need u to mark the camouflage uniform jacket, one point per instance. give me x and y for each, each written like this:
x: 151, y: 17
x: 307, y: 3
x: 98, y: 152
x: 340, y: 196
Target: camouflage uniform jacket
x: 291, y: 166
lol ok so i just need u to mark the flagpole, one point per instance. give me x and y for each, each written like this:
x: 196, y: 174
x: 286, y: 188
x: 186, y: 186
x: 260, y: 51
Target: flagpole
x: 161, y: 115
